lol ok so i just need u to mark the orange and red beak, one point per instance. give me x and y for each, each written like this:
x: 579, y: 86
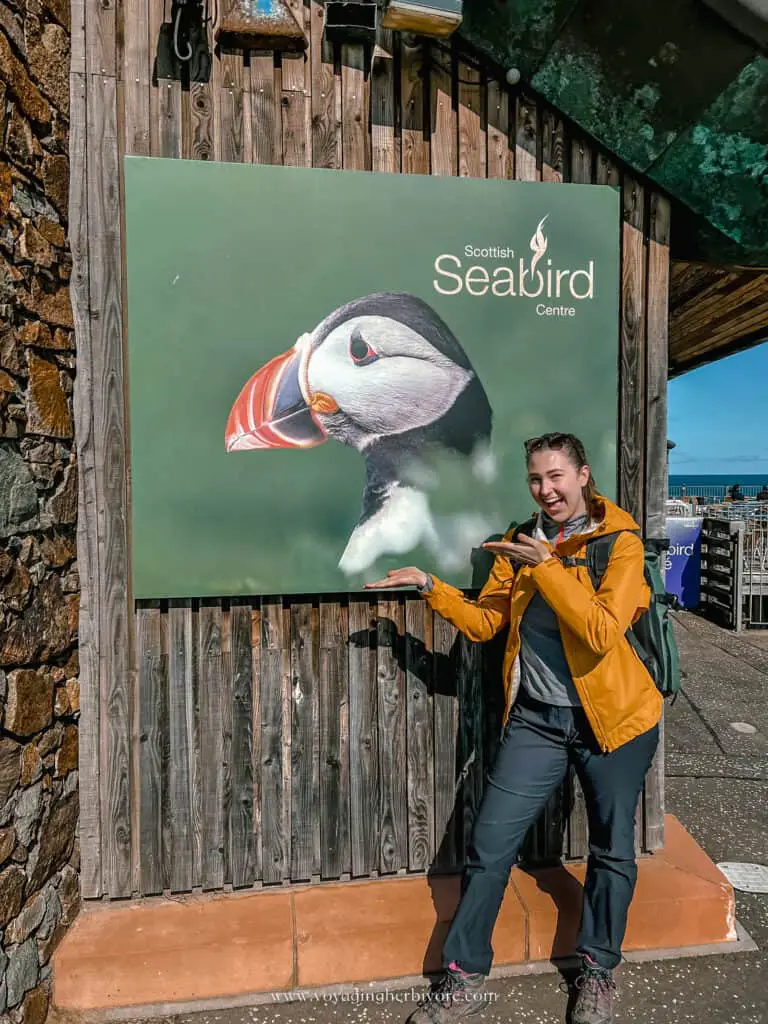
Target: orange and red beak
x: 271, y: 411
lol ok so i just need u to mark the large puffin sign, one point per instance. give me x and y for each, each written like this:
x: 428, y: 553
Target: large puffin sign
x: 332, y: 373
x: 385, y: 375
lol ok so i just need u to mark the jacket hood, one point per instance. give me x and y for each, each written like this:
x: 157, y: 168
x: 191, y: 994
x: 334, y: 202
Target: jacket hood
x: 614, y: 518
x: 611, y: 519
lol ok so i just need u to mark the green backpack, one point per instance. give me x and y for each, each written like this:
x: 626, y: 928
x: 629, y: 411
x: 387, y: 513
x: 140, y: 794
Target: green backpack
x: 651, y: 637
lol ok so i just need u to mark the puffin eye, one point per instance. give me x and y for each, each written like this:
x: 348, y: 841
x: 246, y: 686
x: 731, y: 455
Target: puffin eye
x: 361, y: 352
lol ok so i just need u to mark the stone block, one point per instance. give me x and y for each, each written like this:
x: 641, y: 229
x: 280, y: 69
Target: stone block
x: 31, y: 765
x: 29, y: 97
x: 50, y: 740
x: 11, y: 893
x: 52, y: 232
x: 27, y: 921
x: 34, y: 1009
x: 48, y: 411
x: 66, y: 756
x: 34, y: 332
x: 20, y: 144
x: 11, y: 281
x: 6, y: 182
x: 29, y: 707
x: 32, y: 246
x: 10, y: 351
x: 56, y: 838
x: 57, y: 550
x: 61, y: 706
x: 27, y: 816
x: 47, y: 947
x: 16, y: 589
x: 52, y: 306
x: 48, y: 62
x: 73, y: 695
x: 41, y: 631
x: 27, y: 548
x: 10, y: 767
x: 22, y: 971
x: 69, y: 894
x: 7, y: 843
x: 18, y: 494
x: 29, y: 204
x: 56, y: 176
x: 63, y: 505
x: 52, y: 914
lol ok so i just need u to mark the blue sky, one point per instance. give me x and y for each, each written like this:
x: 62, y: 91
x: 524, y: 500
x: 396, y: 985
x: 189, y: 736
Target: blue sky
x: 718, y: 416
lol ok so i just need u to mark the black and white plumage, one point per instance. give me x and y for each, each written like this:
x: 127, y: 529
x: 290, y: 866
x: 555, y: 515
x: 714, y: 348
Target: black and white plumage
x: 386, y: 375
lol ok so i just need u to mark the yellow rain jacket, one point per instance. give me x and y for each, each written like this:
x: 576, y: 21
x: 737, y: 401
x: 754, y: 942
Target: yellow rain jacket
x: 617, y: 693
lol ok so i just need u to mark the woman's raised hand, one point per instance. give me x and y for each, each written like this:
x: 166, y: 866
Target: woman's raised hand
x: 526, y: 551
x: 408, y: 577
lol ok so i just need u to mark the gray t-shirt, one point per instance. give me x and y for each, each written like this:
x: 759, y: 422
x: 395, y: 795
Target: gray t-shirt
x: 544, y: 671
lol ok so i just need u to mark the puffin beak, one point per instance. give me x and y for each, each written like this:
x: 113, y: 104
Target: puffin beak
x: 271, y: 411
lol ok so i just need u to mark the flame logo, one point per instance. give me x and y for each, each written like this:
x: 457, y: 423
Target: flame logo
x: 538, y: 244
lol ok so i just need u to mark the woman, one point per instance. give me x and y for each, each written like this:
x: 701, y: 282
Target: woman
x: 576, y: 693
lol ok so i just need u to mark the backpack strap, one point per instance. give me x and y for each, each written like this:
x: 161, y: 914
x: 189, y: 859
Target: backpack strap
x: 599, y: 551
x: 526, y: 528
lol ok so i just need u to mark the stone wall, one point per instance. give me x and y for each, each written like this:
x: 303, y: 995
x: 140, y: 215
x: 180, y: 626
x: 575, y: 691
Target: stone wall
x: 39, y: 692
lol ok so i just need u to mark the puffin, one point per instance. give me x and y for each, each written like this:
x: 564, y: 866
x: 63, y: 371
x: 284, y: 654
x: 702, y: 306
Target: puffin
x: 385, y: 375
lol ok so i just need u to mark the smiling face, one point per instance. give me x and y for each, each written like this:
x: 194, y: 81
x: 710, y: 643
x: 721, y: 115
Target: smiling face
x: 557, y: 485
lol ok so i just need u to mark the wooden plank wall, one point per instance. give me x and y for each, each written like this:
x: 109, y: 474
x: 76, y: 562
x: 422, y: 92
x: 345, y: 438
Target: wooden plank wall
x: 237, y: 743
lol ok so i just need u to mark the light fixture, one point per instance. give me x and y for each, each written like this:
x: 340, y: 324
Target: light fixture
x: 425, y: 17
x: 269, y: 22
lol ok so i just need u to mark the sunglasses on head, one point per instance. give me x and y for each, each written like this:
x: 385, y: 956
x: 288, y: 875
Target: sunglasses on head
x: 554, y: 440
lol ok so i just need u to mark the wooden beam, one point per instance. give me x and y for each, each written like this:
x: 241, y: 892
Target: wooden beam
x: 111, y: 597
x: 632, y: 353
x: 442, y: 119
x: 657, y: 358
x: 355, y: 102
x: 383, y: 152
x: 500, y: 159
x: 89, y: 638
x: 414, y: 85
x: 527, y: 167
x: 472, y: 122
x: 326, y: 94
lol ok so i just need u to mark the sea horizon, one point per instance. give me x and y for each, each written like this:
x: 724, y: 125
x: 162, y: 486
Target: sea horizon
x: 714, y: 479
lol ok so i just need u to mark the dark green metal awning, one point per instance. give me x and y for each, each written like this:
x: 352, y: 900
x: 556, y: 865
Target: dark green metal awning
x: 669, y: 87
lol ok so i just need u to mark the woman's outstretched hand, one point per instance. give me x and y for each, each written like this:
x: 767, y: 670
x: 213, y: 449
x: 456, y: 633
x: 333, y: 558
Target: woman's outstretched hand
x: 408, y: 577
x: 525, y: 551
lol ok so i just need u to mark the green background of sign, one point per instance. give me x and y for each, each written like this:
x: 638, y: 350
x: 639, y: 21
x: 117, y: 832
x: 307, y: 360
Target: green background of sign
x: 228, y: 264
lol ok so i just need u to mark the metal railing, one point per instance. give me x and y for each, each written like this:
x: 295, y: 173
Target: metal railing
x: 731, y: 510
x: 715, y: 492
x: 755, y: 570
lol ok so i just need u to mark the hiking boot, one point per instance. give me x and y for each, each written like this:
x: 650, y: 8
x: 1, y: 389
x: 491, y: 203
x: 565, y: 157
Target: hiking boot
x: 594, y: 1002
x: 454, y: 995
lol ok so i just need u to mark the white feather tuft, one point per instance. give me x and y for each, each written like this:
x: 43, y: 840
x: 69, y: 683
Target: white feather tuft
x: 484, y: 464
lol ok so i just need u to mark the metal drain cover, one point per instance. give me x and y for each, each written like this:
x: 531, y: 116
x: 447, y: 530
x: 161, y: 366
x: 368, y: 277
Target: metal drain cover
x: 746, y: 877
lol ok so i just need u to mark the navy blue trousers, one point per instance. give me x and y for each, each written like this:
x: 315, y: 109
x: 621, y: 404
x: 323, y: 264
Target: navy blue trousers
x: 539, y: 743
